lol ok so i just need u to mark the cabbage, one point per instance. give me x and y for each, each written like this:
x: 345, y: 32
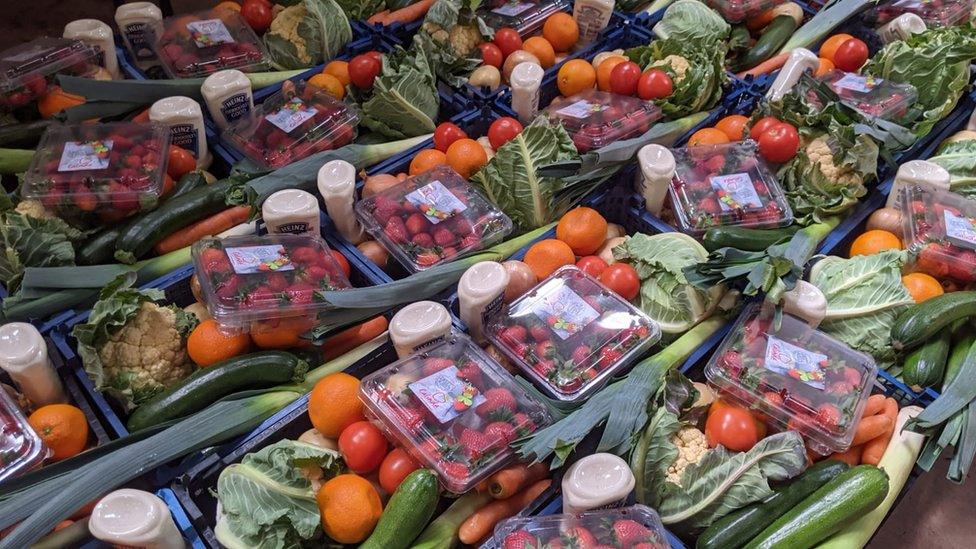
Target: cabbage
x: 306, y: 34
x: 692, y: 21
x: 959, y: 159
x: 696, y: 68
x: 404, y: 100
x: 361, y: 9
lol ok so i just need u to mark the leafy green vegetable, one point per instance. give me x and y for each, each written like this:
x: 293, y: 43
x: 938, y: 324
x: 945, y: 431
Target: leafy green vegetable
x: 361, y: 9
x: 33, y: 238
x: 307, y: 33
x: 404, y: 101
x: 267, y: 500
x: 696, y: 67
x: 693, y: 21
x: 450, y: 35
x: 959, y: 159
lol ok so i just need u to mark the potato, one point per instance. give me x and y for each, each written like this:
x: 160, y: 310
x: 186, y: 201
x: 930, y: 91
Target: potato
x: 517, y: 57
x: 606, y: 251
x: 485, y: 75
x: 198, y: 309
x: 316, y: 438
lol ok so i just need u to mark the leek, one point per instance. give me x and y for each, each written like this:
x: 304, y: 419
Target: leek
x: 824, y: 22
x: 15, y: 160
x: 145, y: 92
x: 442, y: 533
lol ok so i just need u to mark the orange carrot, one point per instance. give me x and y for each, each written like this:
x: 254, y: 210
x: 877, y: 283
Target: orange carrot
x: 408, y: 14
x: 482, y: 521
x: 871, y: 427
x: 507, y: 482
x: 350, y: 338
x: 773, y: 63
x: 378, y: 17
x: 875, y: 405
x: 142, y: 117
x: 209, y: 226
x: 875, y: 448
x: 851, y: 457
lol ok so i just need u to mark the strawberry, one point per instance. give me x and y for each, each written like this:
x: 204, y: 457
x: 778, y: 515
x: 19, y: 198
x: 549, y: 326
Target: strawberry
x: 396, y: 231
x: 454, y: 471
x: 500, y: 430
x: 300, y: 293
x: 852, y: 376
x: 384, y: 209
x: 629, y: 532
x: 409, y: 417
x: 443, y: 237
x: 314, y: 273
x: 471, y: 372
x: 426, y: 259
x: 417, y: 223
x: 545, y: 350
x: 475, y: 444
x: 435, y: 364
x: 520, y: 539
x: 305, y: 255
x: 828, y: 416
x: 594, y: 301
x: 579, y: 537
x: 545, y: 368
x: 470, y: 241
x: 497, y: 398
x: 539, y: 333
x: 514, y: 334
x: 449, y: 252
x: 227, y: 287
x: 276, y: 281
x: 731, y: 361
x: 609, y: 356
x: 523, y: 424
x: 424, y: 240
x: 262, y: 295
x: 581, y: 355
x: 648, y: 545
x: 710, y: 206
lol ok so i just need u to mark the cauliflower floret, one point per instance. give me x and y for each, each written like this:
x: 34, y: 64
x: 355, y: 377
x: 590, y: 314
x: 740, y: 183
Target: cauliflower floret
x: 678, y: 64
x: 285, y: 26
x: 691, y: 446
x: 819, y: 154
x: 33, y: 208
x: 464, y: 39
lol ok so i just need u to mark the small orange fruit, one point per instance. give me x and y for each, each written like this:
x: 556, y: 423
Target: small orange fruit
x: 830, y: 45
x: 825, y: 66
x: 733, y: 126
x: 234, y: 6
x: 561, y: 30
x: 208, y: 344
x: 281, y: 333
x: 427, y: 159
x: 545, y: 256
x: 874, y: 241
x: 605, y: 68
x: 542, y: 49
x: 339, y: 69
x: 329, y: 83
x: 922, y: 286
x: 62, y: 427
x: 334, y: 404
x: 466, y: 156
x: 349, y: 507
x: 57, y: 100
x: 708, y: 136
x: 584, y: 229
x: 574, y: 76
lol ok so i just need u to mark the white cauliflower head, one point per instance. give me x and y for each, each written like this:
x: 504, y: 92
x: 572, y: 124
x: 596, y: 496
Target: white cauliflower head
x: 678, y: 65
x: 33, y: 208
x: 691, y: 445
x: 819, y: 154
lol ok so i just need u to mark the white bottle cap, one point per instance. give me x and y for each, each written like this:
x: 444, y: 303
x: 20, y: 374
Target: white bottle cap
x: 656, y: 161
x: 131, y: 7
x: 483, y: 279
x: 133, y: 518
x: 335, y: 178
x: 526, y: 75
x: 288, y: 202
x: 418, y: 324
x: 222, y: 81
x: 923, y: 172
x: 87, y: 27
x: 800, y: 60
x: 595, y: 481
x: 176, y: 105
x: 20, y: 345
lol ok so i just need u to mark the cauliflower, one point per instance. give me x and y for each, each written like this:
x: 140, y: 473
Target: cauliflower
x: 33, y: 208
x: 461, y: 39
x: 691, y: 446
x: 678, y: 65
x: 285, y: 27
x: 819, y: 154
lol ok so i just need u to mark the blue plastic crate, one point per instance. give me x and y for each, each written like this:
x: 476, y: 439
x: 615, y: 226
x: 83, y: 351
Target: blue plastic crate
x: 182, y: 521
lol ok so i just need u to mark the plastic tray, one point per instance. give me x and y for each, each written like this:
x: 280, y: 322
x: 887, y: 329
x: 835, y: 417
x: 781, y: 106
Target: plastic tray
x: 26, y: 70
x: 524, y: 16
x: 599, y: 523
x: 935, y: 13
x: 202, y: 43
x: 738, y: 10
x: 595, y: 119
x: 940, y: 232
x: 874, y: 96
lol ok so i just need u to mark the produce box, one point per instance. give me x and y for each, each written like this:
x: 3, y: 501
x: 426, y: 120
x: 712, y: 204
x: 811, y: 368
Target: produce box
x: 555, y: 507
x: 596, y: 119
x: 196, y: 45
x: 939, y: 232
x: 935, y: 13
x: 28, y: 69
x: 545, y: 529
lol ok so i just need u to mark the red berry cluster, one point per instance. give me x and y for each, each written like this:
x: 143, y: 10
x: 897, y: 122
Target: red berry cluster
x: 38, y: 74
x: 179, y: 50
x: 612, y: 117
x: 618, y: 534
x: 936, y: 254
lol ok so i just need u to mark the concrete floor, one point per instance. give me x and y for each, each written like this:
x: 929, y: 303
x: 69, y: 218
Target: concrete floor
x: 935, y: 513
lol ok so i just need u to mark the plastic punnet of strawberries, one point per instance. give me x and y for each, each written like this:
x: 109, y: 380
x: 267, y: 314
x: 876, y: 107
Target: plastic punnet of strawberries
x: 595, y: 119
x: 200, y: 44
x: 875, y: 96
x: 940, y: 232
x: 634, y: 527
x: 28, y: 70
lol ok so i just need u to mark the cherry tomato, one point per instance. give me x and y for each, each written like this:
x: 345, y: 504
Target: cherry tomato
x: 622, y: 279
x: 733, y: 427
x: 363, y: 69
x: 395, y: 467
x: 181, y: 162
x: 779, y: 143
x: 761, y: 126
x: 624, y: 77
x: 592, y: 265
x: 447, y: 133
x: 654, y: 84
x: 851, y: 55
x: 363, y: 447
x: 342, y: 261
x: 508, y: 40
x: 491, y: 54
x: 257, y: 14
x: 503, y: 130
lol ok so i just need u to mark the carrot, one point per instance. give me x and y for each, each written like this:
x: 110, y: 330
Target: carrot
x: 210, y: 226
x: 482, y: 521
x: 851, y: 457
x: 773, y: 63
x: 378, y: 17
x: 507, y: 482
x: 875, y: 405
x: 350, y: 338
x: 871, y: 427
x: 408, y: 14
x: 875, y: 448
x: 142, y: 117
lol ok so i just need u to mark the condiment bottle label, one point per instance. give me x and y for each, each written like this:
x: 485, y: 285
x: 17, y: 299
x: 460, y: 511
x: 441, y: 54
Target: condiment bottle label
x: 235, y: 107
x: 255, y: 259
x: 796, y: 362
x: 209, y: 32
x: 513, y: 9
x: 436, y: 202
x: 492, y: 308
x: 960, y: 230
x: 445, y: 394
x: 292, y: 115
x: 735, y: 191
x: 565, y: 312
x: 87, y: 155
x: 185, y: 136
x: 856, y: 82
x: 581, y: 109
x: 139, y: 35
x: 294, y: 227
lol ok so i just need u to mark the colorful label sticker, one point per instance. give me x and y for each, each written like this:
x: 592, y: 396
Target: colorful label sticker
x: 85, y: 155
x: 735, y: 191
x: 445, y: 394
x: 565, y: 312
x: 209, y: 32
x: 582, y: 109
x: 796, y: 362
x: 235, y: 107
x: 513, y: 9
x: 259, y: 259
x: 960, y: 230
x: 293, y: 114
x: 436, y: 202
x: 856, y: 82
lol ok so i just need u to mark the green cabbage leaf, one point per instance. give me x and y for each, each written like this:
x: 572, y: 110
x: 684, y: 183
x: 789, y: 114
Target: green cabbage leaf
x: 404, y: 100
x: 696, y: 68
x: 306, y: 34
x: 693, y: 21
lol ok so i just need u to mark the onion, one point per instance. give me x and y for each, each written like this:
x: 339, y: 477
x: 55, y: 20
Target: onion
x: 195, y: 288
x: 614, y: 230
x: 373, y: 184
x: 375, y: 252
x: 606, y: 251
x: 520, y: 279
x: 886, y: 219
x: 500, y: 358
x: 198, y: 309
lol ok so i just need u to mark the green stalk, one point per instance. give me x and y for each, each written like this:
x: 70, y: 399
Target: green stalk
x: 15, y: 308
x: 442, y: 533
x: 657, y: 5
x: 15, y: 160
x: 824, y: 22
x: 148, y: 91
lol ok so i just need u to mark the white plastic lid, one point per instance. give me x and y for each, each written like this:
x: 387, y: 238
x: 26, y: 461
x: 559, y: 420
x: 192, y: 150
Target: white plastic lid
x: 922, y: 172
x: 176, y: 105
x: 598, y: 479
x: 221, y: 81
x: 127, y: 515
x: 145, y: 9
x: 483, y: 279
x: 656, y: 161
x: 526, y: 75
x: 87, y: 27
x: 335, y: 178
x: 418, y: 319
x: 20, y: 343
x: 288, y: 201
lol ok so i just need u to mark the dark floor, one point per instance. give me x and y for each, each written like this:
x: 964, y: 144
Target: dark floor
x: 935, y: 513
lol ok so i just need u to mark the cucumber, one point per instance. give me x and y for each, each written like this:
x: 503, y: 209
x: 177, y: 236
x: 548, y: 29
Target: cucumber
x: 738, y: 527
x: 407, y: 513
x: 99, y: 249
x: 189, y: 182
x: 779, y: 30
x: 925, y: 366
x: 843, y: 500
x: 207, y: 385
x: 750, y: 240
x: 920, y: 322
x: 956, y: 358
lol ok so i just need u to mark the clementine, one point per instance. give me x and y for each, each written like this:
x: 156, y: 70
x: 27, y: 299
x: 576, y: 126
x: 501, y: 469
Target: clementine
x: 208, y: 344
x: 427, y: 159
x: 584, y: 229
x: 466, y: 156
x: 62, y: 427
x: 733, y: 126
x: 922, y: 286
x: 542, y: 49
x: 57, y: 100
x: 708, y: 136
x: 349, y: 507
x: 561, y: 30
x: 574, y: 76
x: 339, y: 69
x: 605, y: 68
x: 874, y: 241
x: 330, y: 84
x: 334, y: 404
x: 545, y: 256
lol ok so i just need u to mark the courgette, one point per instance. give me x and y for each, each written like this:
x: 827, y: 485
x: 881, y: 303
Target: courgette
x: 925, y: 366
x: 776, y: 34
x: 750, y: 240
x: 841, y: 501
x: 956, y: 357
x: 98, y: 249
x: 738, y: 527
x: 407, y: 512
x: 207, y: 385
x: 920, y: 322
x: 193, y: 180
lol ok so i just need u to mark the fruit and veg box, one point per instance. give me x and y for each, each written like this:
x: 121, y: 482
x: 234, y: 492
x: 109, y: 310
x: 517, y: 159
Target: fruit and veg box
x: 183, y: 523
x: 633, y: 526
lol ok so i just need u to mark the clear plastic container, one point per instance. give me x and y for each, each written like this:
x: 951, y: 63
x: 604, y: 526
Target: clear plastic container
x: 570, y: 334
x: 296, y: 122
x: 726, y: 185
x: 734, y: 11
x: 27, y: 70
x: 20, y: 447
x: 525, y: 16
x: 454, y: 409
x: 255, y: 283
x: 875, y: 96
x: 940, y: 232
x: 199, y: 44
x: 603, y: 525
x: 93, y: 174
x: 795, y: 377
x: 431, y: 218
x: 595, y: 118
x: 935, y: 13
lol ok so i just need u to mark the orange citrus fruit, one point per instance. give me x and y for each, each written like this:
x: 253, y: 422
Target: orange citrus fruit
x: 329, y: 83
x: 349, y: 507
x: 874, y: 241
x: 466, y: 156
x: 339, y: 69
x: 545, y: 256
x: 427, y: 159
x: 561, y: 30
x: 228, y: 5
x: 334, y: 404
x: 208, y: 345
x: 830, y: 45
x: 542, y: 49
x: 62, y: 427
x: 574, y: 76
x: 708, y: 136
x: 605, y: 68
x: 825, y: 66
x: 584, y: 229
x: 281, y: 333
x: 922, y: 286
x: 732, y: 126
x: 57, y: 100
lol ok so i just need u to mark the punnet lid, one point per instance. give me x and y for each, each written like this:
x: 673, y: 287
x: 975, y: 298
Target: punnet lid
x: 550, y: 530
x: 871, y: 95
x: 21, y: 448
x: 734, y: 11
x: 940, y: 232
x: 199, y: 44
x: 595, y: 118
x: 525, y: 16
x: 935, y: 13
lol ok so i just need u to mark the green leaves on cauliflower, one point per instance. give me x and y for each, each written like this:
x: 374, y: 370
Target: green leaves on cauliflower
x: 308, y: 33
x: 696, y: 67
x: 31, y: 237
x: 404, y: 101
x: 450, y: 36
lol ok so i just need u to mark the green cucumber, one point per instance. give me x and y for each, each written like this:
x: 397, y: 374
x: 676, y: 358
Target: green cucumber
x: 210, y: 384
x: 920, y: 322
x: 779, y: 30
x: 187, y: 183
x: 407, y: 513
x: 750, y: 240
x: 925, y: 366
x: 957, y: 357
x: 843, y: 500
x: 740, y: 526
x: 98, y: 249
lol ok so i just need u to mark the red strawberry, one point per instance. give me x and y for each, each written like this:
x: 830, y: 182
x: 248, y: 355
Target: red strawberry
x: 384, y: 209
x: 262, y: 295
x: 454, y: 471
x: 443, y: 237
x: 396, y: 231
x: 449, y: 252
x: 609, y: 356
x: 276, y: 281
x: 514, y: 334
x: 426, y: 259
x: 545, y: 368
x: 520, y: 539
x: 475, y: 444
x: 314, y: 273
x: 123, y: 199
x: 545, y: 350
x: 300, y: 293
x: 579, y: 537
x: 410, y: 418
x: 305, y: 255
x: 630, y: 532
x: 227, y: 288
x: 539, y: 333
x: 594, y: 301
x: 731, y: 361
x: 214, y: 261
x: 852, y: 376
x: 828, y: 416
x: 497, y: 399
x: 471, y: 372
x: 435, y: 364
x: 523, y: 424
x: 424, y: 240
x: 470, y: 241
x: 499, y: 430
x: 417, y: 223
x: 581, y: 355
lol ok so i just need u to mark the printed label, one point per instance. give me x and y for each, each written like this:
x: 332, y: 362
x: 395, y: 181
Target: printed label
x: 581, y: 109
x: 85, y: 155
x: 209, y: 32
x: 445, y: 394
x: 565, y: 312
x: 735, y: 191
x: 140, y: 41
x: 295, y: 227
x: 511, y: 10
x: 292, y: 115
x: 796, y: 362
x: 259, y: 259
x: 858, y: 83
x: 185, y: 136
x: 492, y: 308
x: 429, y: 343
x: 235, y: 107
x: 436, y: 202
x: 960, y: 230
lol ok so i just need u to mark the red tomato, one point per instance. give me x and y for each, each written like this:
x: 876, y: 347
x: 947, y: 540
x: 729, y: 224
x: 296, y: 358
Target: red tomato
x: 592, y: 265
x: 508, y: 40
x: 257, y: 14
x: 761, y: 126
x: 779, y: 143
x: 181, y: 162
x: 447, y: 133
x: 375, y: 55
x: 363, y: 446
x: 342, y: 261
x: 363, y: 69
x: 622, y: 279
x: 395, y: 467
x: 503, y: 130
x: 851, y: 55
x: 624, y: 78
x: 491, y: 54
x: 654, y: 84
x: 733, y: 427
